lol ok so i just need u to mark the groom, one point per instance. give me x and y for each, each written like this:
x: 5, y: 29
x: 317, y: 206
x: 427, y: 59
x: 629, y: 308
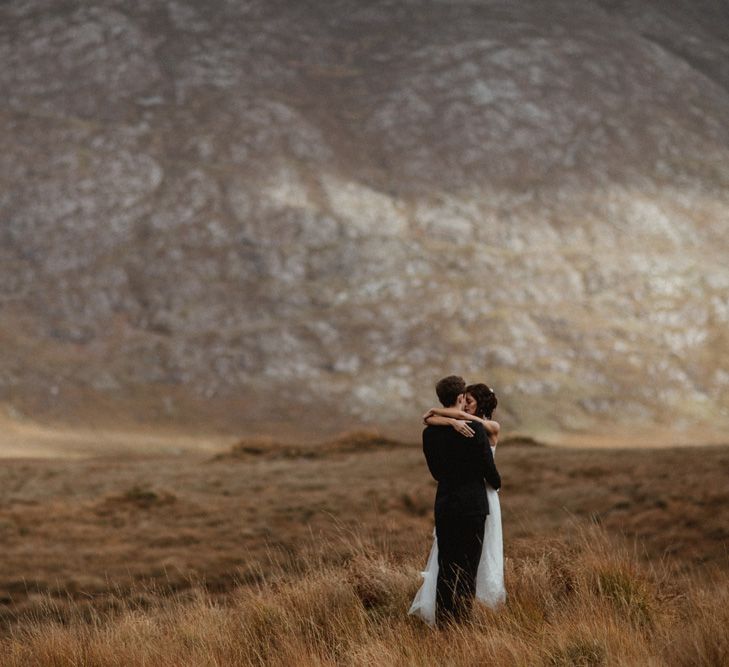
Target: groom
x: 461, y: 466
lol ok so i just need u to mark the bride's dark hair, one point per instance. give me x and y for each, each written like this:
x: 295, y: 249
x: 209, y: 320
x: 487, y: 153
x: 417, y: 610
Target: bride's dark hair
x: 485, y: 399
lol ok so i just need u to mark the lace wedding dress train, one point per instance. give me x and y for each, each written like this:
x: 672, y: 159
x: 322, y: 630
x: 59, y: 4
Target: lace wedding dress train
x: 490, y: 577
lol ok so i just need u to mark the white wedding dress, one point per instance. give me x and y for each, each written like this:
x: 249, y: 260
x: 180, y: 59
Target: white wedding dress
x: 490, y: 577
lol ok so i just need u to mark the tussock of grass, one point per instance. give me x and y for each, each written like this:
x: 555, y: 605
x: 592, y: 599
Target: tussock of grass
x: 143, y: 497
x: 349, y: 442
x: 522, y: 441
x: 589, y: 601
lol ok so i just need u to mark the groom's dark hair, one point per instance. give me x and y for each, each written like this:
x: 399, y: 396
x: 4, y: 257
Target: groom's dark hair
x: 449, y: 389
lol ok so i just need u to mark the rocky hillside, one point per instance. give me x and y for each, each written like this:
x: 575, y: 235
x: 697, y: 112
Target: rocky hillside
x: 242, y: 214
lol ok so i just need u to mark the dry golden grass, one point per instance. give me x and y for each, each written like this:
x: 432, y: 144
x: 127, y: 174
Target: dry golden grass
x: 295, y: 556
x: 586, y: 601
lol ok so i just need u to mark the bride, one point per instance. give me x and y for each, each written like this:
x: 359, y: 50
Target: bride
x: 480, y: 404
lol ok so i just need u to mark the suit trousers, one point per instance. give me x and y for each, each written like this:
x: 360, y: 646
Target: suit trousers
x: 459, y: 552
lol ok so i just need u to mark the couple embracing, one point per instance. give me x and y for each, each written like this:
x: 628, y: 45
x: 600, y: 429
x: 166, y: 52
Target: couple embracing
x: 467, y: 558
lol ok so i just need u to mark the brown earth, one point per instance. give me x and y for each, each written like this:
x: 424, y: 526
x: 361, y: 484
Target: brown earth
x: 85, y: 531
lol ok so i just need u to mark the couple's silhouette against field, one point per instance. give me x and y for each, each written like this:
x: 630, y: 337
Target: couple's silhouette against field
x: 466, y: 560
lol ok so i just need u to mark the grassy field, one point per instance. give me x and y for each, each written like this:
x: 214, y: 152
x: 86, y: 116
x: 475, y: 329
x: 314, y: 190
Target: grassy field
x: 265, y: 553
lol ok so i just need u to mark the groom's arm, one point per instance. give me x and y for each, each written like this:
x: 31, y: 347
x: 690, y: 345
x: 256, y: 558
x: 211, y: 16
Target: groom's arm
x: 490, y: 473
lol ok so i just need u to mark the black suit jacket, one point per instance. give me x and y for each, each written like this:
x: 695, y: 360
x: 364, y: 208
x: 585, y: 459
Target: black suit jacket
x: 461, y: 466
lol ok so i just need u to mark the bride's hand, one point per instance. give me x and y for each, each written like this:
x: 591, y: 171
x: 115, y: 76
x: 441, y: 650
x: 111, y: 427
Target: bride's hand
x: 462, y: 427
x: 430, y: 413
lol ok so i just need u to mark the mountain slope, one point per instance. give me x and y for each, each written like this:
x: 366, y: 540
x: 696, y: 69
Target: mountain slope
x: 211, y: 211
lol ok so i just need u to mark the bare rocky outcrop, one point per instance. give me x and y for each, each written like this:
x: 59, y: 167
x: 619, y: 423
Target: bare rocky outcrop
x: 212, y: 211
